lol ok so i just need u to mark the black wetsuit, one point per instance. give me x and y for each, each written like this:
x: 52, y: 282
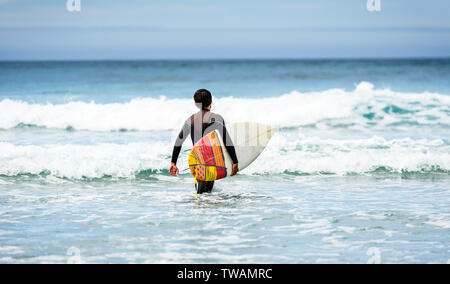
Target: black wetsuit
x: 198, y: 125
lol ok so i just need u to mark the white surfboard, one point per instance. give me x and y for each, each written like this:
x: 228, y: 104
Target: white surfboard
x: 249, y: 139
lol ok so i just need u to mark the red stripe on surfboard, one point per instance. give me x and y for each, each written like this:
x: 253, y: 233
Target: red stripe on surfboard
x: 221, y: 173
x: 207, y: 152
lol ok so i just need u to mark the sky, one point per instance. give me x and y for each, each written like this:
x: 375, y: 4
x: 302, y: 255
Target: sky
x: 206, y: 29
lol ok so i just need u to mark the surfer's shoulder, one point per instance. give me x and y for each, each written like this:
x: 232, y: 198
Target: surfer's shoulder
x: 190, y: 120
x: 217, y: 117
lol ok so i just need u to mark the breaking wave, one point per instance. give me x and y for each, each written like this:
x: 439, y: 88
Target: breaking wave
x: 303, y: 156
x: 364, y: 107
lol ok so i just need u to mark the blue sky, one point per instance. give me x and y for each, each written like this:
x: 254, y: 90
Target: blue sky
x: 172, y: 29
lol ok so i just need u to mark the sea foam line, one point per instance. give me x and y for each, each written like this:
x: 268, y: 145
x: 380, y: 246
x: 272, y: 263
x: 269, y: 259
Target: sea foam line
x: 365, y: 106
x: 304, y: 155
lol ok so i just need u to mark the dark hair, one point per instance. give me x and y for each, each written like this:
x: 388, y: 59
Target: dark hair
x: 203, y: 97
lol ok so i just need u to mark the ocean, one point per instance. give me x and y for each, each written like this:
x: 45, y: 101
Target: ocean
x: 357, y: 172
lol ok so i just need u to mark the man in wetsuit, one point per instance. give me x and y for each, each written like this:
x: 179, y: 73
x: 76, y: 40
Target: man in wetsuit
x: 199, y: 125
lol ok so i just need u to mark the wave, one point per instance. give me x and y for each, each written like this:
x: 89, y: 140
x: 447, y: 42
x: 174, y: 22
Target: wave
x: 313, y: 155
x: 301, y: 156
x: 364, y: 107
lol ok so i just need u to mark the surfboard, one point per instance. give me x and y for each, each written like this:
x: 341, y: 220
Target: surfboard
x: 209, y: 159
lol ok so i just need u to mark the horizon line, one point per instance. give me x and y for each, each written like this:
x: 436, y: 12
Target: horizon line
x: 294, y: 28
x: 431, y: 57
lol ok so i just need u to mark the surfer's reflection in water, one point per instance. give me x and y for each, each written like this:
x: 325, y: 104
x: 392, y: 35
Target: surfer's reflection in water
x: 198, y: 125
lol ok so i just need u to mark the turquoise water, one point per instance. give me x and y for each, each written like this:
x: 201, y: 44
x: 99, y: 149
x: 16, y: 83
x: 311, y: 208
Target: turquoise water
x: 358, y: 170
x: 121, y: 81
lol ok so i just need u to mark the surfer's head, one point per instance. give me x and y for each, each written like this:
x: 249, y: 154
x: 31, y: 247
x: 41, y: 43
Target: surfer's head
x: 203, y: 99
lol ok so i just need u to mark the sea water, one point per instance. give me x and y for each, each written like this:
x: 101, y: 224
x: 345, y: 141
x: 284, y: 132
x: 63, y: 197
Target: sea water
x: 358, y: 170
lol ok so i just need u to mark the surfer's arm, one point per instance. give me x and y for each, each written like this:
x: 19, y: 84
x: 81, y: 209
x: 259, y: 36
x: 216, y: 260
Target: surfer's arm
x: 179, y: 142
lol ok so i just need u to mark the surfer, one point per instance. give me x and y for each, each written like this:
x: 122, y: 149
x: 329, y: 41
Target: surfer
x: 198, y: 125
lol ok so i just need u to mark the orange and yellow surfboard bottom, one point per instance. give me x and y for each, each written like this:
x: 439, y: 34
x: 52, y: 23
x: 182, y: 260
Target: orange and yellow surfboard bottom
x: 206, y: 159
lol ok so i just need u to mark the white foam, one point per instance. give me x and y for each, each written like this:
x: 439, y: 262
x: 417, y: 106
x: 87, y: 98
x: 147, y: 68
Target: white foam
x: 79, y: 161
x: 323, y: 108
x: 441, y: 220
x: 310, y: 155
x: 315, y: 155
x: 10, y: 250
